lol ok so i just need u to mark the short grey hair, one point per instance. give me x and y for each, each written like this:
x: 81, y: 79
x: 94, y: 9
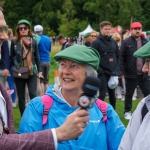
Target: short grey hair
x: 90, y: 71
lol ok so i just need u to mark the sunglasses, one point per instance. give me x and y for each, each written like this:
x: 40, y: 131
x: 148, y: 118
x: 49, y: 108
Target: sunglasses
x: 23, y: 28
x: 93, y: 35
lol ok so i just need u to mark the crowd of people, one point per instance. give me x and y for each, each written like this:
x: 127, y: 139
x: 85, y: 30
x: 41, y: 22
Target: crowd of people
x: 118, y: 63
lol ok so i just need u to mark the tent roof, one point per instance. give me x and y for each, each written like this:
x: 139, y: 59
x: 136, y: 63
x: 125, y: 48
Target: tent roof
x: 88, y: 29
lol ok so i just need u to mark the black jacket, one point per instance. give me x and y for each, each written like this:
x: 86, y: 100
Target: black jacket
x: 128, y: 61
x: 109, y: 53
x: 65, y: 45
x: 4, y: 60
x: 16, y: 54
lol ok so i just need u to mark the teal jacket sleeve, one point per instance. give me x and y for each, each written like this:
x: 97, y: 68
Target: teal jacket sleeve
x: 31, y: 120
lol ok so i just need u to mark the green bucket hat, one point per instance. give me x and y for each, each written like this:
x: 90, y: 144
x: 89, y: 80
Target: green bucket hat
x: 23, y: 21
x: 143, y: 52
x: 86, y: 35
x: 80, y: 54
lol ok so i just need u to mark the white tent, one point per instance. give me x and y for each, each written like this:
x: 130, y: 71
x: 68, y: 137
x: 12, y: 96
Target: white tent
x: 88, y: 29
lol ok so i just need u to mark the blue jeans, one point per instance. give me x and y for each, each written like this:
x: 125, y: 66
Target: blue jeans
x: 11, y: 84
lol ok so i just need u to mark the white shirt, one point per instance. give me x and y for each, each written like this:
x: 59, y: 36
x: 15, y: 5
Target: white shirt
x: 3, y: 110
x: 137, y: 134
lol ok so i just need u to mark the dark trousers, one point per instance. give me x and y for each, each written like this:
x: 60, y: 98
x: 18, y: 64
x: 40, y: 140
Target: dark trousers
x: 20, y: 86
x: 104, y: 88
x: 131, y: 84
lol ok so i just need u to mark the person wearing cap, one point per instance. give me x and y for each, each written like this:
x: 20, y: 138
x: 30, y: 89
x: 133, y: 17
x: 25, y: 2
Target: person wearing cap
x: 62, y: 41
x: 148, y: 35
x: 44, y: 48
x: 46, y: 139
x: 24, y: 52
x: 136, y: 136
x: 86, y: 38
x: 131, y: 67
x: 109, y: 66
x: 75, y: 64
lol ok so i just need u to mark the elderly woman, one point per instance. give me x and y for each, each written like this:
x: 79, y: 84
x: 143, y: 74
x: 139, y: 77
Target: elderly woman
x: 24, y: 53
x: 75, y: 64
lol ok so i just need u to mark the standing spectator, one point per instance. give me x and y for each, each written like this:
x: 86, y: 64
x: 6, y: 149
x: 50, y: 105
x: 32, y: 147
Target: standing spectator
x: 120, y: 90
x: 62, y: 41
x: 75, y: 40
x: 131, y: 67
x: 10, y: 79
x: 86, y: 38
x: 117, y: 37
x: 24, y: 52
x: 126, y: 34
x: 44, y: 48
x: 136, y: 136
x: 54, y: 40
x: 109, y: 66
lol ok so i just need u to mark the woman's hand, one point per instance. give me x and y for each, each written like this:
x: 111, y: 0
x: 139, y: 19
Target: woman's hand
x: 40, y: 75
x: 5, y: 73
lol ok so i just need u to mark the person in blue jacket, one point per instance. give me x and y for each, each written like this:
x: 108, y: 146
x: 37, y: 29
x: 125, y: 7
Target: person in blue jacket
x: 44, y: 47
x: 75, y: 64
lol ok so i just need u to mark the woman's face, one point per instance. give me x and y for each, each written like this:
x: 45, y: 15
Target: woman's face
x: 71, y: 75
x: 93, y: 36
x: 23, y: 29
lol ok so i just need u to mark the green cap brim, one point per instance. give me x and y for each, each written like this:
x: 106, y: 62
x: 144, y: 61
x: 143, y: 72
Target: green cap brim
x: 86, y: 35
x: 23, y: 21
x: 80, y: 54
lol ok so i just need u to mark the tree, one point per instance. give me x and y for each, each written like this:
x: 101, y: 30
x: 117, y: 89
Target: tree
x: 72, y: 16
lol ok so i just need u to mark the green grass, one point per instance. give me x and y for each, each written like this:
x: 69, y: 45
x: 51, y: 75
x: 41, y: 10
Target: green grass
x: 120, y: 109
x: 54, y: 65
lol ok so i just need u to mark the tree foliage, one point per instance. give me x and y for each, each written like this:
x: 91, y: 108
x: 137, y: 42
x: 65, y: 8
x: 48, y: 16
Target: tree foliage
x: 69, y: 17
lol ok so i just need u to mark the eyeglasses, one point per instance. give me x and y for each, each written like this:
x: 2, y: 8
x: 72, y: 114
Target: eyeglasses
x: 4, y: 29
x: 23, y: 28
x: 93, y: 35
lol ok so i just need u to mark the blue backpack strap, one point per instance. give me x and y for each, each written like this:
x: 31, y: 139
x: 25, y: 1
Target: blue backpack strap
x: 47, y: 102
x: 103, y: 108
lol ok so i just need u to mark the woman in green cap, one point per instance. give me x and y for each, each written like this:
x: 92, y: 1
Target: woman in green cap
x: 24, y: 53
x: 76, y: 64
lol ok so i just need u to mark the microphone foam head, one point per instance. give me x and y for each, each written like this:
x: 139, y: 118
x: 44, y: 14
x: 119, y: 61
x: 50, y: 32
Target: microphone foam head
x: 91, y: 86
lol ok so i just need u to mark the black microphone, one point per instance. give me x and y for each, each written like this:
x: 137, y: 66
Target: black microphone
x: 90, y: 88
